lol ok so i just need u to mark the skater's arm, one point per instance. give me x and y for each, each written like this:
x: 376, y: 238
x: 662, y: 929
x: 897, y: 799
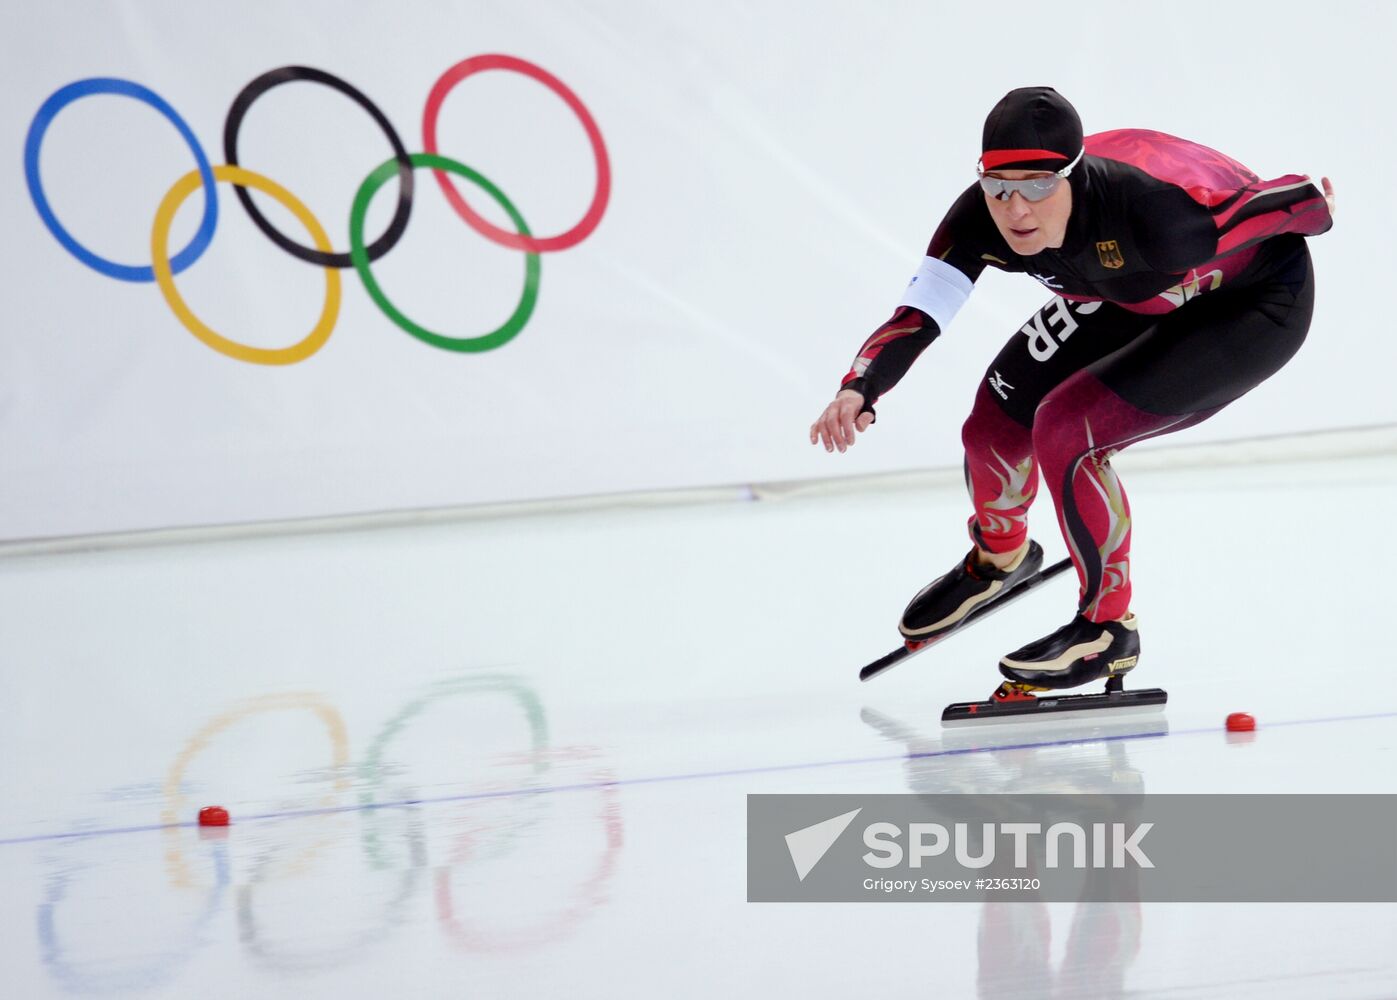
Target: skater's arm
x: 955, y: 259
x: 887, y: 355
x: 881, y: 363
x: 845, y: 415
x: 963, y: 244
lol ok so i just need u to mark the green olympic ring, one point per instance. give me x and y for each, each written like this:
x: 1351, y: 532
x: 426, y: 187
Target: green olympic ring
x: 371, y: 770
x: 359, y: 255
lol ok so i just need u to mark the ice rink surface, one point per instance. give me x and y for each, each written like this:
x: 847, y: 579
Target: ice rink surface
x: 508, y: 756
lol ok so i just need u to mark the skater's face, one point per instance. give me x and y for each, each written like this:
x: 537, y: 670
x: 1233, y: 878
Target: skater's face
x: 1031, y: 226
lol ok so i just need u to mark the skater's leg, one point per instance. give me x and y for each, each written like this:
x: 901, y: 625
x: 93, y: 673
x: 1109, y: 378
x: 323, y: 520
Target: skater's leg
x: 1002, y: 557
x: 1001, y: 475
x: 1193, y: 363
x: 1081, y: 425
x: 1058, y: 340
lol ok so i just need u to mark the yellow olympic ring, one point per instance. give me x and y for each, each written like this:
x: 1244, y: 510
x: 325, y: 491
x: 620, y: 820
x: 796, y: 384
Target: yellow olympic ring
x: 164, y: 276
x: 175, y: 801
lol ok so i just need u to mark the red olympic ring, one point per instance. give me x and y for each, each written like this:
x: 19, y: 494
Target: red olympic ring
x: 505, y: 237
x: 591, y: 894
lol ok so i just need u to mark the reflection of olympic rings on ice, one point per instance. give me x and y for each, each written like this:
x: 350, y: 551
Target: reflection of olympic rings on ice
x: 482, y: 846
x: 482, y: 935
x: 99, y: 976
x: 163, y: 268
x: 264, y: 947
x: 402, y: 848
x: 373, y: 772
x: 175, y: 802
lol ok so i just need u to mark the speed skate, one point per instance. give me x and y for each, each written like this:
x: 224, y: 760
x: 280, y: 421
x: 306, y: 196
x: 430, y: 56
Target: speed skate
x: 1012, y: 702
x: 1018, y: 702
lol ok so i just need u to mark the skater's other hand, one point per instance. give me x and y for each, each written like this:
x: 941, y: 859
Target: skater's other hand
x: 840, y: 420
x: 1328, y: 193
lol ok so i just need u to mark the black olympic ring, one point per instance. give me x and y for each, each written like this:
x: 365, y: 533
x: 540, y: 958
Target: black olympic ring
x: 287, y: 74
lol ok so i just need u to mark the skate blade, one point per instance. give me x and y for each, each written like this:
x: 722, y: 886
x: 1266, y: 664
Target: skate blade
x: 1044, y: 708
x: 1065, y: 728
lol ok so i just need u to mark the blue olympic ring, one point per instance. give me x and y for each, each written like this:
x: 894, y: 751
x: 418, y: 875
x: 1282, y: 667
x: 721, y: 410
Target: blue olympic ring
x: 122, y: 88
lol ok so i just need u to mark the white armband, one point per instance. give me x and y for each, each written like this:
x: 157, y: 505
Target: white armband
x: 937, y: 289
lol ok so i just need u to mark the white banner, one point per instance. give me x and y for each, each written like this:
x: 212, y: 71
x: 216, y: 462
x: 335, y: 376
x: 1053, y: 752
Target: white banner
x: 724, y: 200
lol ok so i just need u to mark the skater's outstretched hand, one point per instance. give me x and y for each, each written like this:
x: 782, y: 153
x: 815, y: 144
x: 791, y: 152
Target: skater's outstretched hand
x: 840, y: 420
x: 1328, y: 193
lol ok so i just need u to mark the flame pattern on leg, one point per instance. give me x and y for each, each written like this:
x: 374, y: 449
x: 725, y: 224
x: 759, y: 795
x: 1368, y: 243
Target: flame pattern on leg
x: 1113, y: 552
x: 1007, y: 513
x: 1001, y: 474
x: 1080, y: 426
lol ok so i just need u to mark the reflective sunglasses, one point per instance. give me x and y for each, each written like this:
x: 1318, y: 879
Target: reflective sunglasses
x: 1033, y: 189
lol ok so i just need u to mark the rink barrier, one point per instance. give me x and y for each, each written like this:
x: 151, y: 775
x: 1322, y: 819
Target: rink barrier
x: 1318, y: 446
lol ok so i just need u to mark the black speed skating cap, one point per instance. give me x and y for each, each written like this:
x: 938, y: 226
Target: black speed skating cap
x: 1032, y: 128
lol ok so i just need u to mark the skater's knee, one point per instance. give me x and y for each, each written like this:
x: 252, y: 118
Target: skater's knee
x: 972, y: 432
x: 990, y: 426
x: 1056, y: 409
x: 1058, y: 429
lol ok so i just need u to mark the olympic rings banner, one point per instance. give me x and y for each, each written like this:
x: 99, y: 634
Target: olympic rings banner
x: 594, y: 249
x: 401, y: 165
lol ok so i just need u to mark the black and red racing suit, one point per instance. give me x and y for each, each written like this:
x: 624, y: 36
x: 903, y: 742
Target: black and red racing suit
x: 1183, y: 281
